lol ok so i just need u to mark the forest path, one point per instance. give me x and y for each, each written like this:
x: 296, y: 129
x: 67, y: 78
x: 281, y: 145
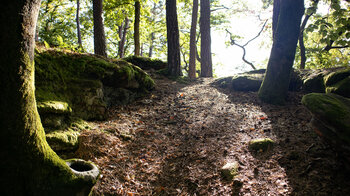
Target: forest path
x: 175, y: 141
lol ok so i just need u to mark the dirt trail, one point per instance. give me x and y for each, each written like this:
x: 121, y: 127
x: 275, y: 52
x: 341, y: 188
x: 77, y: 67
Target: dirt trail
x: 175, y: 141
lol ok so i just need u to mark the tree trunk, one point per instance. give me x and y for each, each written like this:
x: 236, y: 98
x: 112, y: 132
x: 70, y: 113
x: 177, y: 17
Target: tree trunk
x: 206, y: 61
x: 122, y: 36
x: 78, y: 25
x: 99, y: 32
x: 28, y: 165
x: 150, y: 53
x: 275, y: 15
x: 174, y: 67
x: 274, y: 88
x: 137, y: 28
x: 193, y: 33
x: 301, y: 42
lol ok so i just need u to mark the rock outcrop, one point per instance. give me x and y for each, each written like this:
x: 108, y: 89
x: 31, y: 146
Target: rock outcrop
x: 331, y: 117
x: 73, y: 87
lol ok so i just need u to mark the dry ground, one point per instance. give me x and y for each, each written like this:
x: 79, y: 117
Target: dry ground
x: 175, y: 141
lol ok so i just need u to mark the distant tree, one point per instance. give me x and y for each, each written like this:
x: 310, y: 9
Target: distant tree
x: 137, y: 27
x: 29, y: 166
x: 206, y: 60
x: 276, y: 81
x: 193, y: 44
x: 100, y: 47
x: 123, y: 29
x: 174, y: 67
x: 78, y: 25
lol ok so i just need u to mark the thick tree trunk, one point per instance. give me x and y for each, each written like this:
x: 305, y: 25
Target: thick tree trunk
x: 275, y: 15
x: 193, y: 48
x: 274, y: 88
x: 99, y: 32
x: 78, y: 25
x: 206, y: 61
x: 137, y: 28
x: 28, y: 165
x: 174, y: 66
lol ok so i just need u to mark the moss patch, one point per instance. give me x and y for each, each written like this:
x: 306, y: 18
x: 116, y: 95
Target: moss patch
x: 332, y: 110
x: 55, y: 107
x: 261, y: 144
x: 146, y: 63
x: 335, y: 77
x: 229, y: 170
x: 341, y: 88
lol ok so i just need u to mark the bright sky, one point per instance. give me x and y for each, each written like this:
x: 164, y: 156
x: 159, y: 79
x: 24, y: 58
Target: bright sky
x: 228, y: 60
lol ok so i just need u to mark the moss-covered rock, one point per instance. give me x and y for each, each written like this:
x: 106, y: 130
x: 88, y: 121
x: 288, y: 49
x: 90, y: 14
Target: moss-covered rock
x: 331, y: 116
x: 251, y: 82
x: 54, y: 107
x: 314, y: 83
x: 80, y: 79
x: 341, y: 88
x: 261, y: 144
x: 146, y: 63
x: 229, y: 170
x: 337, y: 76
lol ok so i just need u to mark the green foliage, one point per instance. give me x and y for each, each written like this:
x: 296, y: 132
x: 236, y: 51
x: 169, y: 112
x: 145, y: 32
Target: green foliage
x: 327, y: 35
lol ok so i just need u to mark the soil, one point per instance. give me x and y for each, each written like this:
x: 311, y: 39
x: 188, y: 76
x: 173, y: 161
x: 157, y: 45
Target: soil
x: 176, y: 140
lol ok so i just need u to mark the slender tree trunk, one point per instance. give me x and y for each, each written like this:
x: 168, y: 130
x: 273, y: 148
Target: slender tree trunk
x: 99, y: 32
x: 193, y: 48
x: 275, y: 15
x: 174, y: 66
x: 150, y: 53
x: 301, y: 42
x: 78, y: 25
x: 274, y: 88
x: 28, y: 165
x: 137, y: 28
x: 122, y: 36
x: 206, y: 60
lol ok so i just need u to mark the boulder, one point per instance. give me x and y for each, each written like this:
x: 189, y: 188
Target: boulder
x: 146, y: 63
x: 53, y: 114
x: 331, y: 117
x: 249, y: 82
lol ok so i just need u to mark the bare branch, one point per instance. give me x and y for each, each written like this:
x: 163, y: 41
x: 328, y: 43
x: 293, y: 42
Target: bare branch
x: 244, y: 45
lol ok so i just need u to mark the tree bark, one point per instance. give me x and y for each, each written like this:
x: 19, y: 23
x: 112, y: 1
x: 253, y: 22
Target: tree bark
x: 150, y: 52
x: 137, y: 28
x: 274, y: 88
x: 29, y: 166
x: 275, y: 15
x: 301, y: 42
x: 193, y: 48
x: 122, y: 35
x: 206, y: 60
x: 174, y: 66
x: 99, y: 32
x: 78, y: 25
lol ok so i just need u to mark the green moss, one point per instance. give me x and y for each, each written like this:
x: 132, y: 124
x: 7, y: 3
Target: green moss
x: 55, y: 107
x: 230, y: 170
x: 330, y: 108
x: 63, y: 140
x: 146, y: 63
x: 262, y: 144
x: 341, y: 88
x: 333, y: 78
x: 314, y: 84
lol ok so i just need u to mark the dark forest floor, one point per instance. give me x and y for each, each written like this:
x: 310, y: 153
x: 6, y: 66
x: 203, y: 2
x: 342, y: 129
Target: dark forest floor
x: 175, y: 141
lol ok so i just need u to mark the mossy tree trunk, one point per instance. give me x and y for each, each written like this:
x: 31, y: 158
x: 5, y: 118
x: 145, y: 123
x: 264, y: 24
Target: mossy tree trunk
x: 274, y: 88
x: 174, y: 66
x: 28, y: 165
x: 137, y: 28
x: 206, y: 60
